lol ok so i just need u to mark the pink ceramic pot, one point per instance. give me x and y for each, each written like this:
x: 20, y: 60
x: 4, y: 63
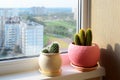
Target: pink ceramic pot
x: 83, y: 56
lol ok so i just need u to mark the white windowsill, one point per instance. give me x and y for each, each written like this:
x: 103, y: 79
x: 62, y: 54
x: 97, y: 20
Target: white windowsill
x: 68, y: 73
x: 19, y: 65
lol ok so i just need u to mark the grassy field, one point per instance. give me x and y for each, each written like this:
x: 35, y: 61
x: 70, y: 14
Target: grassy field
x: 63, y: 42
x: 60, y: 31
x: 66, y: 24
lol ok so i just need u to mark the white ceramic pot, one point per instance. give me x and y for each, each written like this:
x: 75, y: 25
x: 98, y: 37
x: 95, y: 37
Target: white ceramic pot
x: 50, y: 64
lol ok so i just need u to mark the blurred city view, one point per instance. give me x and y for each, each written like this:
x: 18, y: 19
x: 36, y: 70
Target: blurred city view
x: 25, y: 31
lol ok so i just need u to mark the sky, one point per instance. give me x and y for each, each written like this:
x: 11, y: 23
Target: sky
x: 31, y: 3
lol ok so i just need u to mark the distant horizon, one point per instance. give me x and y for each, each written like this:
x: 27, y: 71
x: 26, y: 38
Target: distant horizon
x: 38, y: 3
x: 32, y: 7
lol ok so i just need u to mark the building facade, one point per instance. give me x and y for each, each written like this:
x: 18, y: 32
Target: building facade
x: 12, y: 35
x: 32, y: 38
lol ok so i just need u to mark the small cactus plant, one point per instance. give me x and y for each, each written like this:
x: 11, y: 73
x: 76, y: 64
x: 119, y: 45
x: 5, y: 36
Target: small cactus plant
x: 83, y: 38
x: 45, y: 51
x: 53, y: 48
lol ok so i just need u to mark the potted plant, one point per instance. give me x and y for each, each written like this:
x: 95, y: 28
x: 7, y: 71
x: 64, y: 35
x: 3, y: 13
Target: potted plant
x: 84, y: 54
x: 50, y: 60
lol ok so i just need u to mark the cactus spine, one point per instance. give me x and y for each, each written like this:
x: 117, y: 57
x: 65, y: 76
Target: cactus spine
x: 83, y: 38
x: 88, y: 37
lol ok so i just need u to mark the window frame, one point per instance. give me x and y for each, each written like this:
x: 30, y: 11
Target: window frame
x: 85, y: 14
x: 31, y: 63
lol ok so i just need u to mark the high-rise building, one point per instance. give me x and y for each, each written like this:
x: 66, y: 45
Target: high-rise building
x: 32, y: 38
x: 2, y: 22
x: 12, y: 35
x: 9, y: 28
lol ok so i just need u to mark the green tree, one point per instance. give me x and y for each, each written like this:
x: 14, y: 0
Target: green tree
x: 17, y: 49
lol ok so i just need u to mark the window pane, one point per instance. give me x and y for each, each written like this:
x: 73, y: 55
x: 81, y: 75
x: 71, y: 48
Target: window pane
x: 26, y: 26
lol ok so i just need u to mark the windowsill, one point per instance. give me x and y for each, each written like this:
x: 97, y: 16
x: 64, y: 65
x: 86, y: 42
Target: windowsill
x: 68, y: 73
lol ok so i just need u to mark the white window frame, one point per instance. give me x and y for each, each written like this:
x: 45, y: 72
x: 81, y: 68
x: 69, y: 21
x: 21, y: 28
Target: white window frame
x: 27, y: 64
x: 85, y: 14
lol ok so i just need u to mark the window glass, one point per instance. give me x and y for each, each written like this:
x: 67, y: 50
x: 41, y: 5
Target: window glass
x: 26, y: 26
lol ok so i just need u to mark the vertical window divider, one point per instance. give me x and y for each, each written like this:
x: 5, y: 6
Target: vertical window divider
x: 79, y: 15
x: 85, y: 14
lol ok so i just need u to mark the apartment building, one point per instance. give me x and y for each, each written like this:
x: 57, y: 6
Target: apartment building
x: 32, y: 38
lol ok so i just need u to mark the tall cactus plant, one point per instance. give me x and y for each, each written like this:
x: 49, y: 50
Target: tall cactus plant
x: 76, y: 39
x: 88, y: 37
x: 83, y: 38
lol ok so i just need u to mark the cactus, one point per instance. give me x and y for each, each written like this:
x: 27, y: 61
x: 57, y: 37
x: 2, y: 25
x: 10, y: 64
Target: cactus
x: 76, y: 39
x: 88, y: 37
x: 45, y: 51
x: 82, y: 36
x: 54, y: 48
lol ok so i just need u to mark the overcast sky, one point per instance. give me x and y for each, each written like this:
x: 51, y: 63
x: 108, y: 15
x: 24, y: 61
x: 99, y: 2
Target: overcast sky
x: 31, y: 3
